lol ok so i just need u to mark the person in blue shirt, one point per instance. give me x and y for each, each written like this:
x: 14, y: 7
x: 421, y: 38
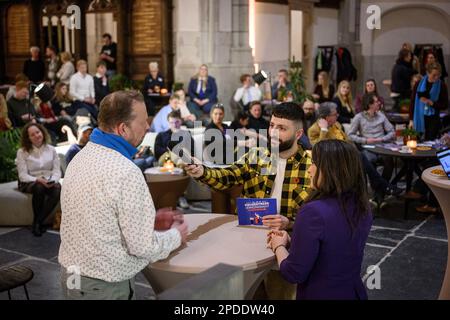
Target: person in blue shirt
x: 84, y: 132
x: 202, y: 90
x: 160, y: 122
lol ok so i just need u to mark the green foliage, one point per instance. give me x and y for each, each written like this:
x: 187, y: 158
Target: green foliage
x: 121, y: 82
x: 9, y: 144
x: 408, y: 132
x: 297, y: 78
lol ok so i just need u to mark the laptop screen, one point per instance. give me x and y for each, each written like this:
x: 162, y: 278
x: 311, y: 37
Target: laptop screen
x: 444, y: 159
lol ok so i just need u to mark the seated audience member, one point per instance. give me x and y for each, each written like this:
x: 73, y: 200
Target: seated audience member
x: 202, y: 90
x: 166, y: 141
x: 20, y: 110
x: 256, y: 120
x: 12, y: 89
x: 327, y: 128
x: 39, y: 172
x: 84, y: 132
x: 371, y: 126
x: 51, y: 122
x: 324, y: 91
x: 143, y: 158
x: 282, y: 82
x: 153, y: 84
x: 62, y: 102
x: 369, y: 87
x: 82, y: 89
x: 310, y: 114
x: 216, y: 133
x: 160, y: 122
x: 343, y: 100
x: 5, y: 123
x: 34, y: 68
x: 287, y: 118
x: 247, y: 93
x: 240, y: 122
x: 53, y: 64
x: 430, y: 96
x: 67, y: 69
x: 187, y: 115
x: 324, y: 255
x: 101, y: 85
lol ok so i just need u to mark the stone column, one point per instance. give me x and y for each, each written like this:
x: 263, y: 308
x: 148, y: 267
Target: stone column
x: 307, y: 8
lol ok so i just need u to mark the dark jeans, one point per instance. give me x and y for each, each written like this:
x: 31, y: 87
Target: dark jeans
x: 388, y: 163
x: 44, y: 199
x: 421, y: 187
x: 377, y: 182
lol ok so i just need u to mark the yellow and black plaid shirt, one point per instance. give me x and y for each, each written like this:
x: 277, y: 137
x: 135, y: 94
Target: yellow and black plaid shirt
x: 254, y: 172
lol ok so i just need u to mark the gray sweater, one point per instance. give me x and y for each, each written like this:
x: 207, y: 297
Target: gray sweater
x: 363, y: 126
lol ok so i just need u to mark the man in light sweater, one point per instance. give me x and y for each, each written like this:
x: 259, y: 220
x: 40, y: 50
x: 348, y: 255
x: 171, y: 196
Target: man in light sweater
x: 82, y: 89
x: 108, y: 235
x: 372, y: 127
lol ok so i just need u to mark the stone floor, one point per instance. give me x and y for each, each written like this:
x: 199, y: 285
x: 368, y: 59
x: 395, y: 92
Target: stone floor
x: 411, y: 256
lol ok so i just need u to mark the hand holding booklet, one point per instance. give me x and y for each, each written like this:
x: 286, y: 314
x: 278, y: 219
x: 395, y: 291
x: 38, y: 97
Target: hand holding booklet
x: 252, y: 210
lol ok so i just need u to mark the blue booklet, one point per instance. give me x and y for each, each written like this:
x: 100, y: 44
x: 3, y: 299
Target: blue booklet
x: 251, y: 210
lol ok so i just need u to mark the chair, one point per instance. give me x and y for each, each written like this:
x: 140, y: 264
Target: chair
x: 13, y: 277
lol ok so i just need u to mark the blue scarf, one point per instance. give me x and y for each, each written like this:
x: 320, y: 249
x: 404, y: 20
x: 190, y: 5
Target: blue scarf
x: 113, y: 141
x: 421, y: 109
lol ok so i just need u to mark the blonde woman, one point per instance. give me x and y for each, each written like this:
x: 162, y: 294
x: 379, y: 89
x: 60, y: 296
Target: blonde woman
x: 67, y: 68
x: 324, y: 91
x: 344, y: 102
x: 5, y: 123
x: 203, y: 90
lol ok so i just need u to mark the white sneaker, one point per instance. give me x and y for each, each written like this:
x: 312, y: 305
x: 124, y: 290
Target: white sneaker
x: 182, y: 203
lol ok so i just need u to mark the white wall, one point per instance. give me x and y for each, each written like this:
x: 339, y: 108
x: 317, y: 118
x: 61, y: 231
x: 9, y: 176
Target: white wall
x: 325, y: 27
x: 272, y: 32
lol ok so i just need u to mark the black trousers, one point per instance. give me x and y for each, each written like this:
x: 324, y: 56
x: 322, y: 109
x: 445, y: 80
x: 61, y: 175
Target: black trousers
x: 432, y: 127
x: 44, y: 199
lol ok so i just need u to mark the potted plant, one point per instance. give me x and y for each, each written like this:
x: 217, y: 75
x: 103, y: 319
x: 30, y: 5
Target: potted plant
x: 9, y: 144
x: 409, y: 134
x: 404, y: 105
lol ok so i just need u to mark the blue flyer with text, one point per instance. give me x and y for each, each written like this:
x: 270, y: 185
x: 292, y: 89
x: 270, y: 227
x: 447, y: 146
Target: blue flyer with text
x: 251, y: 210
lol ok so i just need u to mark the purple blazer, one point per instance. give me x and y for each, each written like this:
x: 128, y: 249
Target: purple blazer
x: 324, y: 259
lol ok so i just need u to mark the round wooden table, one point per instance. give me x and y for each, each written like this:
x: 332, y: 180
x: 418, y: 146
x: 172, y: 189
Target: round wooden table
x: 213, y: 239
x: 441, y: 189
x: 166, y: 187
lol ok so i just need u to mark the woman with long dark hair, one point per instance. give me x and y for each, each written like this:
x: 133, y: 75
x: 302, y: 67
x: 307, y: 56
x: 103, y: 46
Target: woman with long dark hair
x: 330, y: 232
x: 39, y: 172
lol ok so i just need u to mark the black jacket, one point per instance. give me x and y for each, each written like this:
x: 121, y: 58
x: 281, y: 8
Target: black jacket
x: 401, y: 78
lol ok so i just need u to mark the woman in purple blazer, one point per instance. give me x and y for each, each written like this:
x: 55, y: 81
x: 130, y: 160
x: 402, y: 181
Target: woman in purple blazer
x: 325, y: 253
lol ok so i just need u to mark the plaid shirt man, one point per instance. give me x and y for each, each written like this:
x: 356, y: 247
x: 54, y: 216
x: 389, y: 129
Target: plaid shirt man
x: 254, y: 172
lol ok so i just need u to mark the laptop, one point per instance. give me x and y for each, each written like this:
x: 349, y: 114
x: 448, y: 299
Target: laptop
x: 444, y: 158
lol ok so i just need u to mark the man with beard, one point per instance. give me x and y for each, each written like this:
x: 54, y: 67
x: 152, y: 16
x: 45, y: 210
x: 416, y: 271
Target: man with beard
x: 310, y: 114
x: 265, y: 174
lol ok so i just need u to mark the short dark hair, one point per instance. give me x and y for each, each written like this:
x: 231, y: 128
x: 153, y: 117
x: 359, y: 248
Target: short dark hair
x: 284, y: 71
x: 174, y: 114
x: 25, y: 142
x: 101, y: 63
x: 107, y: 35
x: 116, y: 108
x: 53, y: 48
x: 241, y: 115
x: 290, y: 111
x: 367, y: 100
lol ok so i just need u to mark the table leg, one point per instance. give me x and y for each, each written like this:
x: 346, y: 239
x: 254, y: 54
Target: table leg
x: 400, y: 174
